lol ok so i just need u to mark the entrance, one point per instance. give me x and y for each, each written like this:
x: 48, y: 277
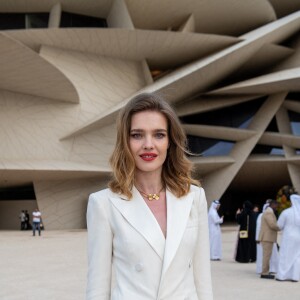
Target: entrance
x: 232, y: 200
x: 12, y: 201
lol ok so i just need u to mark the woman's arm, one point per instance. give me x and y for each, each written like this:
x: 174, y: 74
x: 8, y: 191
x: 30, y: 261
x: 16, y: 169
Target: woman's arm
x: 202, y: 273
x: 99, y: 249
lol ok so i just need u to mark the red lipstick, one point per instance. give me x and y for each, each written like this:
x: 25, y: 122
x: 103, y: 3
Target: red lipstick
x: 148, y: 156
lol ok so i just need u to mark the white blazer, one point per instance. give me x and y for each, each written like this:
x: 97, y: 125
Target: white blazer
x: 125, y: 242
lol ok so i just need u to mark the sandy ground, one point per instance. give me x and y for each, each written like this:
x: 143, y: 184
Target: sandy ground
x: 53, y: 267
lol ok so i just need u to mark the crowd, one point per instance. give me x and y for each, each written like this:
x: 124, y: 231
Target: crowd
x: 257, y: 238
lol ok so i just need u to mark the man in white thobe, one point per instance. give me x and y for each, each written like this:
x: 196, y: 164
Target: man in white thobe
x: 214, y: 221
x: 259, y: 251
x: 289, y: 254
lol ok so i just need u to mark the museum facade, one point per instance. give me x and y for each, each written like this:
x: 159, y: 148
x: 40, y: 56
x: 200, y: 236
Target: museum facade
x: 231, y: 69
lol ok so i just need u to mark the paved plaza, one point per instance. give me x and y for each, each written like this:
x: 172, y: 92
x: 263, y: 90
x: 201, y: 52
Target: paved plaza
x: 53, y: 267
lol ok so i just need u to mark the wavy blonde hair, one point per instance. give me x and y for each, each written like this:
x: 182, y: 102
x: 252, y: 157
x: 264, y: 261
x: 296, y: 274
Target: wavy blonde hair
x: 176, y: 171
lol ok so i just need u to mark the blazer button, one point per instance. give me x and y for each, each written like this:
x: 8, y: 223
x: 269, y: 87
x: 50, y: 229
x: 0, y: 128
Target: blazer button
x: 139, y: 267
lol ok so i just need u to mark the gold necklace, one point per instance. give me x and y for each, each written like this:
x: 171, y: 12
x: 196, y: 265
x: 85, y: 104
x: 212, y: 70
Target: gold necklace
x: 151, y: 197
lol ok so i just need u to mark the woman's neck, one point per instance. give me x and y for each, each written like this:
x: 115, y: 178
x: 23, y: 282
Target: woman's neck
x: 148, y: 182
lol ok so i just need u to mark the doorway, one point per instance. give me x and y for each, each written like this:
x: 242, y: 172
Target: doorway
x: 12, y: 201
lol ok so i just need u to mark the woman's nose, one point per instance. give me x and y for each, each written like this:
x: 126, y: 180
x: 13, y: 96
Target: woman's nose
x: 148, y: 143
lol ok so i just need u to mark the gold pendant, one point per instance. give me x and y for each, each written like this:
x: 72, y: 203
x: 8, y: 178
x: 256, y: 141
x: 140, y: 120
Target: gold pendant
x: 153, y: 197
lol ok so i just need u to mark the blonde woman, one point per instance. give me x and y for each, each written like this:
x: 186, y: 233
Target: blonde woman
x: 148, y: 232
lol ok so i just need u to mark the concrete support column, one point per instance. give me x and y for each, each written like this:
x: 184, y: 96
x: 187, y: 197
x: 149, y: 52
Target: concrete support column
x: 189, y: 25
x: 55, y: 16
x: 147, y: 73
x: 119, y: 16
x: 284, y: 126
x: 63, y: 203
x: 216, y: 183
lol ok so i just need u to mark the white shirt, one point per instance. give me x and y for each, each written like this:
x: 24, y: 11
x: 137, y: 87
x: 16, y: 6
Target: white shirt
x: 36, y: 216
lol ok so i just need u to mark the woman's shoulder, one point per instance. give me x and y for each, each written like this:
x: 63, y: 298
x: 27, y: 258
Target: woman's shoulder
x: 199, y: 195
x: 103, y: 195
x: 100, y: 197
x: 100, y: 193
x: 197, y: 189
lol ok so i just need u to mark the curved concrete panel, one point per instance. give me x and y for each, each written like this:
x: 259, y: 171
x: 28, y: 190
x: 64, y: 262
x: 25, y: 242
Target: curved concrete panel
x: 206, y: 165
x: 210, y: 16
x: 287, y: 80
x: 200, y: 75
x: 24, y: 71
x: 94, y: 8
x: 161, y: 49
x: 283, y: 8
x: 209, y: 103
x: 23, y: 172
x: 279, y: 140
x: 218, y: 132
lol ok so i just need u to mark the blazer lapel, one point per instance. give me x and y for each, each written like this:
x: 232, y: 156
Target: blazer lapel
x: 178, y: 211
x: 137, y: 213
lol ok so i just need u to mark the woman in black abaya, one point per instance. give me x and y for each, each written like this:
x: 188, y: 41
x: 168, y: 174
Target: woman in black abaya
x: 246, y: 247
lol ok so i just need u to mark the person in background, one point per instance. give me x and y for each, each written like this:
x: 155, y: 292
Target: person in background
x: 267, y: 237
x: 259, y: 251
x: 256, y: 210
x: 27, y: 223
x: 246, y: 246
x: 22, y: 219
x: 148, y: 232
x: 215, y: 238
x: 289, y: 254
x: 36, y: 221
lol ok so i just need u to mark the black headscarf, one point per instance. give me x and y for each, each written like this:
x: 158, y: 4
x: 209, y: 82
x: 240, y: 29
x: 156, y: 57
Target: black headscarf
x: 248, y: 206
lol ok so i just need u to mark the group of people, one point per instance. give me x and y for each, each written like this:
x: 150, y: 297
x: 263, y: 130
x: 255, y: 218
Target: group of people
x: 257, y: 239
x: 24, y: 219
x: 286, y: 263
x: 36, y: 221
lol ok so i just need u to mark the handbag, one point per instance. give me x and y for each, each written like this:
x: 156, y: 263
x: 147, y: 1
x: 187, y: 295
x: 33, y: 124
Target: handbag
x: 244, y: 233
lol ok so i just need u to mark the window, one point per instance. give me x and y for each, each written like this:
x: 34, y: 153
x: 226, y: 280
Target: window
x: 295, y: 122
x: 237, y: 116
x: 23, y: 20
x: 17, y: 193
x: 264, y: 149
x: 75, y: 20
x: 209, y: 147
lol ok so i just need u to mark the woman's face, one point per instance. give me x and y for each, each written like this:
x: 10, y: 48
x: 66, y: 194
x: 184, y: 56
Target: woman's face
x: 149, y: 140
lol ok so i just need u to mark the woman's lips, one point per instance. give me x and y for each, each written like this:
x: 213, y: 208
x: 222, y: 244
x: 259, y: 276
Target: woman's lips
x: 148, y: 156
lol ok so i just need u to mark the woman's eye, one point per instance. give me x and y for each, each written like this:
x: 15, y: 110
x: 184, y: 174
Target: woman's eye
x: 136, y: 136
x: 160, y: 135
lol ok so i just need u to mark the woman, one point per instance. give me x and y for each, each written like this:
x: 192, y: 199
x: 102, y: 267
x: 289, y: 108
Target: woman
x: 148, y: 233
x: 246, y: 247
x: 214, y: 221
